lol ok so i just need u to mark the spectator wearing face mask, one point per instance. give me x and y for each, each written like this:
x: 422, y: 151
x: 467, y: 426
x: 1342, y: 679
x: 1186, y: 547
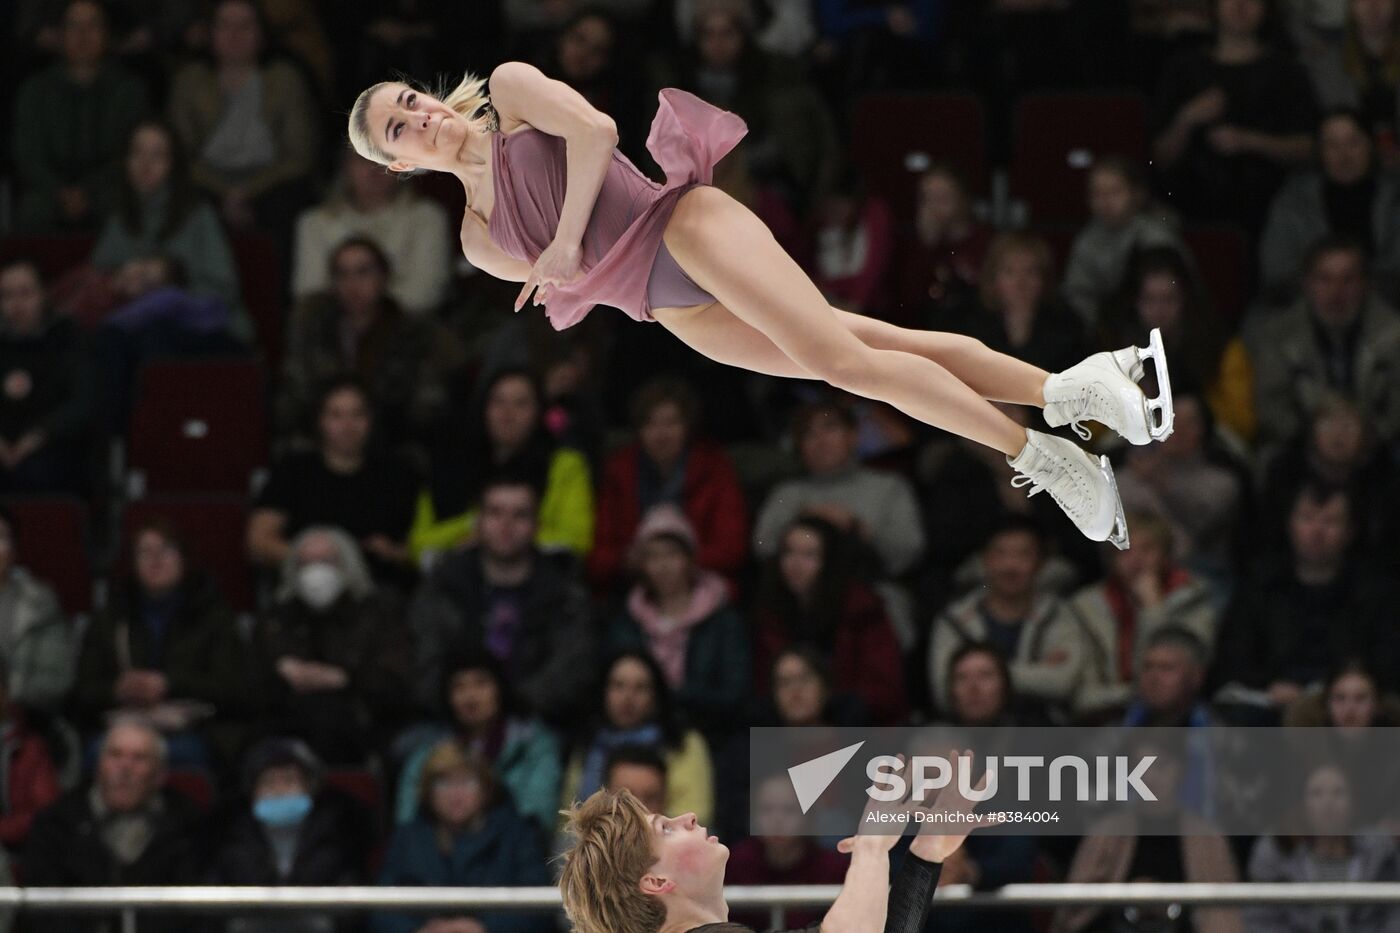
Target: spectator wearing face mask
x: 333, y: 656
x: 290, y: 830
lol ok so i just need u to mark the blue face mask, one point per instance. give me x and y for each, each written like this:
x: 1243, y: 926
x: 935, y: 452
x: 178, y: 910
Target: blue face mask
x: 287, y: 810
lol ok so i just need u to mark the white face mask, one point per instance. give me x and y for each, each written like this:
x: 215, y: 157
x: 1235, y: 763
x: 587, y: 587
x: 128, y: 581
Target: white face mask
x: 320, y: 584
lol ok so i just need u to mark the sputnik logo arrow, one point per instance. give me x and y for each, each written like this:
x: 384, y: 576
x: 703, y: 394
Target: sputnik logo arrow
x: 811, y: 778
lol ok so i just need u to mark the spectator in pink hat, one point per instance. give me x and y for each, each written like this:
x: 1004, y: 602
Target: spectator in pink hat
x: 680, y: 613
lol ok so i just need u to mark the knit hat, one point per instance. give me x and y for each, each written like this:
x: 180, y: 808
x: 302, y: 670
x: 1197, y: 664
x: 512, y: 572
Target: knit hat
x: 663, y: 520
x: 277, y: 752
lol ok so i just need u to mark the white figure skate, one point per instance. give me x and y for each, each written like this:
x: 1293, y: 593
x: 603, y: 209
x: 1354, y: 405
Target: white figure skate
x: 1081, y: 485
x: 1104, y: 388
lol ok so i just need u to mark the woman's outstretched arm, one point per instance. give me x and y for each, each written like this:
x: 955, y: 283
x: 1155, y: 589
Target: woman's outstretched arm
x: 521, y: 93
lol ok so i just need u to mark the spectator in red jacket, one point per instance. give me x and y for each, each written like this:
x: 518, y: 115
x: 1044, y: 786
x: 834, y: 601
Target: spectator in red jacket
x: 667, y: 463
x: 855, y: 248
x: 809, y: 597
x: 30, y: 780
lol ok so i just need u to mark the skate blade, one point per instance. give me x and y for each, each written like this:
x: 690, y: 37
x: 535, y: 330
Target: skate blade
x: 1159, y: 412
x: 1119, y: 536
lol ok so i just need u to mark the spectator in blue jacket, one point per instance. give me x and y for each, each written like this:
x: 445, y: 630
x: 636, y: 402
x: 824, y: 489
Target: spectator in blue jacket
x: 481, y: 717
x: 467, y: 834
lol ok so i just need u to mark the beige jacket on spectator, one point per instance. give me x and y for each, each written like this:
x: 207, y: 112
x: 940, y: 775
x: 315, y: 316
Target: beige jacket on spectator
x: 1188, y: 606
x: 1106, y: 856
x: 196, y: 104
x: 1290, y: 374
x: 1051, y: 629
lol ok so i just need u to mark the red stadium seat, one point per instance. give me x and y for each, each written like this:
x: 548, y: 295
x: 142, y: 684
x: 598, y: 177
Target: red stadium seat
x: 360, y: 784
x: 1057, y: 137
x: 54, y: 255
x: 260, y: 281
x: 214, y: 527
x: 51, y: 536
x: 193, y: 784
x: 895, y: 136
x: 199, y: 426
x: 1226, y: 264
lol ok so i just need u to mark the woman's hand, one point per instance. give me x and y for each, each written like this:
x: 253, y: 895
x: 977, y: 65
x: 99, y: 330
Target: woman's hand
x: 557, y: 265
x: 937, y: 840
x: 895, y: 814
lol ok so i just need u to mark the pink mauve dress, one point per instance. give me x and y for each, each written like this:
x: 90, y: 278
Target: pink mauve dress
x: 625, y: 263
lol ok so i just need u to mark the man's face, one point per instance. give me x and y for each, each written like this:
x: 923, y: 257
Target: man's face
x: 508, y: 521
x: 828, y: 444
x: 777, y: 814
x: 1320, y: 531
x: 646, y: 783
x: 129, y: 770
x: 689, y: 861
x: 345, y: 423
x: 84, y: 35
x: 1169, y: 678
x: 976, y: 688
x: 1010, y: 562
x: 357, y: 279
x: 663, y: 434
x: 21, y: 298
x: 1345, y: 151
x: 1336, y: 288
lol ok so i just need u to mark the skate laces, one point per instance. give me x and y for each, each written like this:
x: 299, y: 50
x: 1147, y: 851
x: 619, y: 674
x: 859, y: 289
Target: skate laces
x: 1089, y: 404
x: 1046, y: 463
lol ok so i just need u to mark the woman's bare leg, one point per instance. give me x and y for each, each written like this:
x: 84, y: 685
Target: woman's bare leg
x: 731, y: 254
x: 992, y: 375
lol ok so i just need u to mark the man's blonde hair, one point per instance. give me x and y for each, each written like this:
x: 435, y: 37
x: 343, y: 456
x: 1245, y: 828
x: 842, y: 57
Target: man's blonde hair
x: 604, y: 864
x: 468, y: 98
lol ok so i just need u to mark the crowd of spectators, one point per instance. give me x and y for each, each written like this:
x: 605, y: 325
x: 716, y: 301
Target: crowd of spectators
x: 497, y: 568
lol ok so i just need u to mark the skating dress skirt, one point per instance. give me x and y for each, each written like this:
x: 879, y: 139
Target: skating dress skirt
x: 625, y: 264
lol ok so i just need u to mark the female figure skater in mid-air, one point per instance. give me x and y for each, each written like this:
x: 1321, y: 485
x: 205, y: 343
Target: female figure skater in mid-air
x: 553, y: 204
